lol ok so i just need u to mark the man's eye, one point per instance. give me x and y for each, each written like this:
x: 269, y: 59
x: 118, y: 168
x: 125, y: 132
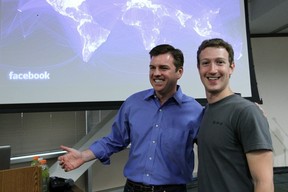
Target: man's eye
x: 220, y: 62
x: 205, y: 63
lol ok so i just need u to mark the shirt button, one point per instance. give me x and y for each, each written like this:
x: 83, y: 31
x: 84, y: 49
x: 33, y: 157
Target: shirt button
x: 150, y: 158
x: 153, y: 141
x: 156, y: 125
x: 147, y: 174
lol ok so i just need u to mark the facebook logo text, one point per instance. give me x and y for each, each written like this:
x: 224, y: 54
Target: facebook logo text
x: 29, y: 76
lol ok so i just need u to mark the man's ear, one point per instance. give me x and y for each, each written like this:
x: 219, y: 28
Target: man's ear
x: 232, y: 67
x: 180, y: 72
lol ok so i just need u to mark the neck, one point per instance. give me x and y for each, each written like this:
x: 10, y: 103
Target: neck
x: 162, y: 99
x: 217, y: 96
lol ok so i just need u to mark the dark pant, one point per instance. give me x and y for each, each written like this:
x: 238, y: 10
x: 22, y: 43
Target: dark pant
x: 131, y: 186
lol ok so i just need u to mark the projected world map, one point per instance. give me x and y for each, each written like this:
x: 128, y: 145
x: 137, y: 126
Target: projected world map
x: 98, y: 50
x: 147, y: 17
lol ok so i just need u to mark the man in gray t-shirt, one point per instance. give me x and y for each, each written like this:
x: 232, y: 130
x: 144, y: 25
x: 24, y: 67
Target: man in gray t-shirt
x: 234, y: 142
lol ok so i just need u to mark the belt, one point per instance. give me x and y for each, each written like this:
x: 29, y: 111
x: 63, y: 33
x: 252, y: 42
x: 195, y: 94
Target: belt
x: 140, y: 187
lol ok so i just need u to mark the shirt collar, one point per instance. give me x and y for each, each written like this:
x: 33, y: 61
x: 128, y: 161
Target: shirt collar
x: 177, y: 96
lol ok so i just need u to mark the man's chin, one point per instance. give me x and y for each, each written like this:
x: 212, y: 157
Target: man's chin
x: 212, y: 90
x: 158, y: 87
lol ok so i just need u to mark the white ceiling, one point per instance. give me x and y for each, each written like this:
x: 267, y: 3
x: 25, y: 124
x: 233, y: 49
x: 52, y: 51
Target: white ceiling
x: 268, y: 17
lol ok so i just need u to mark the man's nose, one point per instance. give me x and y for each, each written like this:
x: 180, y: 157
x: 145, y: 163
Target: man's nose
x: 213, y: 68
x: 156, y: 72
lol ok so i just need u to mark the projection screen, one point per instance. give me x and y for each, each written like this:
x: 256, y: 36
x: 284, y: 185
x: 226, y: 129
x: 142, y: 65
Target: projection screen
x: 92, y: 54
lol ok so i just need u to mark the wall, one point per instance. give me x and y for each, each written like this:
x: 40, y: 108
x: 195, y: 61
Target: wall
x: 271, y: 65
x: 30, y: 133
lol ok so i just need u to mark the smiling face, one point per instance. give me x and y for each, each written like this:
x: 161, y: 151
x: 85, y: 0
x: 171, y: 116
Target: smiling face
x: 215, y: 71
x: 163, y: 75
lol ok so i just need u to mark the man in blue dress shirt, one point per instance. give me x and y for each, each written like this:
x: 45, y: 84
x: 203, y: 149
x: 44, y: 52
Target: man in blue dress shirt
x: 160, y: 124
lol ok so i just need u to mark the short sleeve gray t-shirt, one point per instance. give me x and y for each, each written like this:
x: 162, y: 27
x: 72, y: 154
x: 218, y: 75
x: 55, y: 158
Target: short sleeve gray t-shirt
x: 230, y: 128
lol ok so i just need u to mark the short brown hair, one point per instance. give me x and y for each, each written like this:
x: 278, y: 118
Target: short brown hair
x: 166, y: 48
x: 216, y: 42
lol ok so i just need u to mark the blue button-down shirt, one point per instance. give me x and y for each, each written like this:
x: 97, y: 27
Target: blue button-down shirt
x: 161, y: 138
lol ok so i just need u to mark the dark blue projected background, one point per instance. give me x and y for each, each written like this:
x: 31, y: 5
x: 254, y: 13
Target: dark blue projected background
x: 90, y: 50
